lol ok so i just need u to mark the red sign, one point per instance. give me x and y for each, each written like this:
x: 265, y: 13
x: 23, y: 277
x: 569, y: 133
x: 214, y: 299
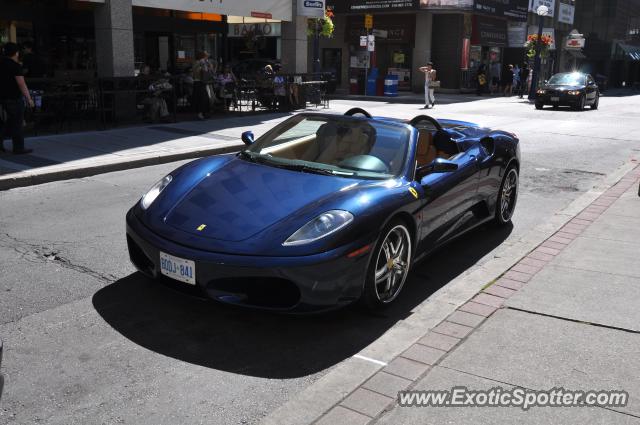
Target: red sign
x: 466, y: 49
x: 263, y: 15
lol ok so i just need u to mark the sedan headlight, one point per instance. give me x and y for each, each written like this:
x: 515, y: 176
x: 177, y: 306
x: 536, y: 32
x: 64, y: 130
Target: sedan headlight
x: 574, y: 93
x: 541, y: 91
x: 320, y: 227
x: 155, y: 190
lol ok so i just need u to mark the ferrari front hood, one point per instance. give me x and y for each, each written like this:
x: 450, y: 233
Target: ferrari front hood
x: 242, y: 198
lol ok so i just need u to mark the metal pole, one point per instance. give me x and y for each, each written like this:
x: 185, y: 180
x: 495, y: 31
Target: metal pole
x: 316, y: 48
x: 366, y: 64
x: 537, y: 62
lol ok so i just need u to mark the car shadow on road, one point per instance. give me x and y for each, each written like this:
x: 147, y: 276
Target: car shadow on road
x: 266, y: 345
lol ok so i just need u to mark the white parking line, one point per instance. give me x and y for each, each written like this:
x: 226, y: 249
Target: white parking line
x: 358, y: 356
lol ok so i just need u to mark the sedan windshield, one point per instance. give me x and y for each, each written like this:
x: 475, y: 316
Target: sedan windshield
x: 337, y: 145
x: 570, y: 79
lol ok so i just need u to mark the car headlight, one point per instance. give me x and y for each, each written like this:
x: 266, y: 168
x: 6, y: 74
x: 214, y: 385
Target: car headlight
x: 541, y: 91
x: 573, y: 92
x: 155, y: 190
x: 320, y: 227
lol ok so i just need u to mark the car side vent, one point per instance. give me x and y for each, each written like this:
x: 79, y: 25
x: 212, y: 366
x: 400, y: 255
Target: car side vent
x: 488, y: 144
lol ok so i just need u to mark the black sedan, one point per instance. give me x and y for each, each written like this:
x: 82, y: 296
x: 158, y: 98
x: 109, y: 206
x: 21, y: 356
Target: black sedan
x: 574, y: 89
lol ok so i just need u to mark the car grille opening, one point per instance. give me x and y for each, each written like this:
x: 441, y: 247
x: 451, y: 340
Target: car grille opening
x: 138, y: 257
x: 264, y: 292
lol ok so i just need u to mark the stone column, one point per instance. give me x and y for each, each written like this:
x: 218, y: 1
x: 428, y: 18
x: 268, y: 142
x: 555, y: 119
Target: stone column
x: 295, y: 49
x: 422, y: 49
x: 114, y: 38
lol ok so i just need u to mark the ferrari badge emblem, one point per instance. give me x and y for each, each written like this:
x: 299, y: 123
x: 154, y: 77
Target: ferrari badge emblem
x: 413, y: 192
x: 201, y: 227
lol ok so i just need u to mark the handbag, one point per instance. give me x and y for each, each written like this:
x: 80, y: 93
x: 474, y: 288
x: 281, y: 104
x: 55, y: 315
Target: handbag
x: 434, y: 84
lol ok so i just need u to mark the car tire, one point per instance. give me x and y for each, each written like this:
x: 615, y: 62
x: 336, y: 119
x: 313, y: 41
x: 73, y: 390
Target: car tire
x: 539, y: 105
x: 507, y: 197
x: 390, y: 262
x: 596, y: 102
x: 580, y: 105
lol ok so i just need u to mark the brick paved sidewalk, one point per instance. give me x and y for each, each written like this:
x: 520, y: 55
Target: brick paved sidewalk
x: 376, y: 398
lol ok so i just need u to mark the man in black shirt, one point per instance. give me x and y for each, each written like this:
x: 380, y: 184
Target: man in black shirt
x: 13, y: 92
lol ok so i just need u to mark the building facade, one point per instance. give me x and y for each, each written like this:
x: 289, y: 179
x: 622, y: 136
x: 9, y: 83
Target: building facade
x: 612, y: 32
x: 110, y: 38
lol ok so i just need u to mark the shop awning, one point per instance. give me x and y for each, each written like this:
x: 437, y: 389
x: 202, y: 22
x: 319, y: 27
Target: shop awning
x: 266, y: 9
x: 630, y: 51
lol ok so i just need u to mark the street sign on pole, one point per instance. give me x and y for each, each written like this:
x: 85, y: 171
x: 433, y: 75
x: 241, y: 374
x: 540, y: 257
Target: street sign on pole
x: 363, y: 41
x: 371, y: 43
x: 368, y: 21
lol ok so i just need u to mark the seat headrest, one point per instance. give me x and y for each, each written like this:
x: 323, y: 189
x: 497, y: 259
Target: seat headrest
x: 443, y: 143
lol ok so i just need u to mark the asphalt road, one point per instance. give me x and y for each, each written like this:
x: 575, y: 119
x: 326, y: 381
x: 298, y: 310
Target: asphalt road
x: 88, y: 340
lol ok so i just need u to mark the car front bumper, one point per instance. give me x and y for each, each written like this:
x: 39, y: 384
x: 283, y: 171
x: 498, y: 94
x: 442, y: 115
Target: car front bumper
x: 563, y: 99
x: 289, y: 284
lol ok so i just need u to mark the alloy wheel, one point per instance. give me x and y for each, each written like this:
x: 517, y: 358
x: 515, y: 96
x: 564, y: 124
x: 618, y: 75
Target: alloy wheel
x: 509, y: 195
x: 392, y: 264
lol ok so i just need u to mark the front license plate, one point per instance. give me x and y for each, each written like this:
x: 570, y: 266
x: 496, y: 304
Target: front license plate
x: 178, y: 268
x: 555, y: 99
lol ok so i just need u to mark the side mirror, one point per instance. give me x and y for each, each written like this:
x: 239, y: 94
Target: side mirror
x: 248, y: 138
x: 438, y: 165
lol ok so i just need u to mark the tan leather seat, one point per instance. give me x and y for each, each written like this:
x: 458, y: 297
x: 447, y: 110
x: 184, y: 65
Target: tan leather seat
x: 425, y: 152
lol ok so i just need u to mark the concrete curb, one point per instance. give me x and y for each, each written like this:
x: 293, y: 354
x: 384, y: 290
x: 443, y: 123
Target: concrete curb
x: 329, y: 391
x: 29, y: 178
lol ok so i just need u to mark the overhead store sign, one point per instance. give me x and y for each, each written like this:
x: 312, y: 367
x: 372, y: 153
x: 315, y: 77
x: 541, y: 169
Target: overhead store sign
x: 512, y: 9
x: 311, y: 8
x: 535, y: 4
x: 566, y: 13
x: 489, y: 32
x: 264, y: 29
x: 446, y: 4
x: 346, y: 6
x: 270, y: 9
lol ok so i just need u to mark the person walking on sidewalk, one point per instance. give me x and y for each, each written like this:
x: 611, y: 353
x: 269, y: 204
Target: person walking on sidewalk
x: 524, y: 77
x: 13, y: 94
x: 429, y: 83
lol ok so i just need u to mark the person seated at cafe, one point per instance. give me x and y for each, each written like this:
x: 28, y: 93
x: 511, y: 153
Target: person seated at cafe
x: 155, y: 103
x: 227, y: 82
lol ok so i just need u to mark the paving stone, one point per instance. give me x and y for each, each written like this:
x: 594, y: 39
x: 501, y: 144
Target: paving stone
x: 487, y: 299
x: 366, y: 402
x: 387, y: 384
x: 477, y: 308
x: 519, y: 276
x: 554, y: 245
x: 440, y: 341
x: 546, y: 250
x: 466, y: 319
x: 525, y: 268
x: 342, y: 416
x: 406, y: 368
x: 499, y: 291
x: 580, y: 222
x: 509, y: 283
x: 565, y: 235
x: 560, y: 239
x: 452, y: 329
x: 540, y: 256
x: 588, y: 216
x: 532, y: 262
x: 423, y: 354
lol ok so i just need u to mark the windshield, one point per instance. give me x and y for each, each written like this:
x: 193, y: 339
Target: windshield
x: 334, y: 145
x: 572, y: 79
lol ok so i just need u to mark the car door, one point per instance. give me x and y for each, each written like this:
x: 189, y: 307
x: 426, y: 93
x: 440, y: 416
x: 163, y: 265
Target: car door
x: 448, y: 197
x: 591, y: 89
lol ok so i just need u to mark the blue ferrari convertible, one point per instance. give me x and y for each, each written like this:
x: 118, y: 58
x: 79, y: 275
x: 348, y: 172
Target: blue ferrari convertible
x: 323, y: 210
